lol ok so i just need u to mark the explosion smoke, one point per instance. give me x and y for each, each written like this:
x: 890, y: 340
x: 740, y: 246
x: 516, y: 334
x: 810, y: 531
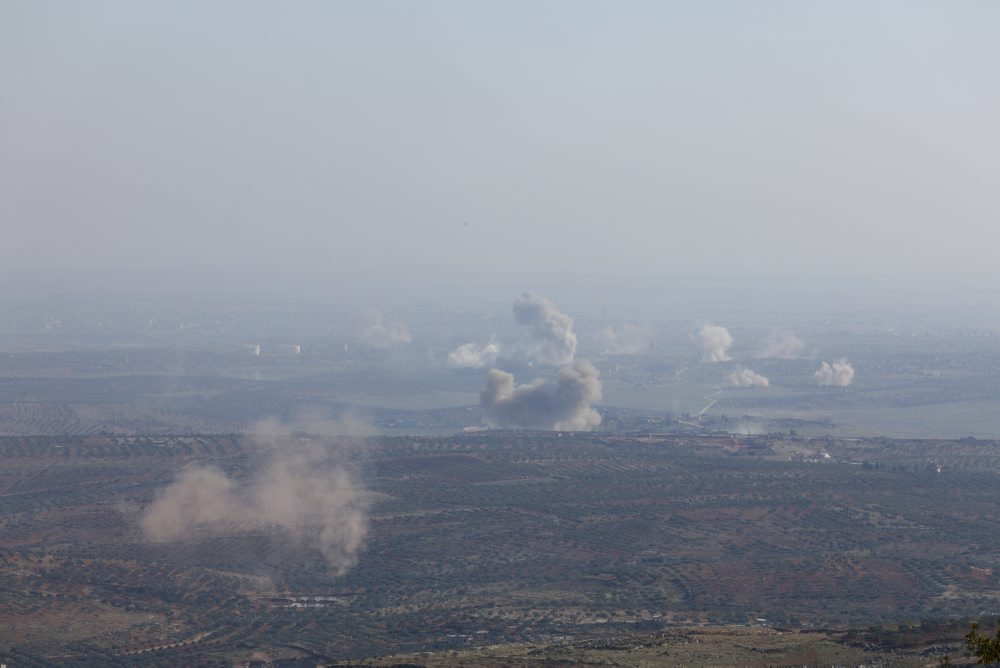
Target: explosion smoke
x: 303, y: 490
x: 473, y: 355
x: 714, y: 341
x: 781, y: 345
x: 839, y: 374
x: 375, y: 332
x: 747, y: 378
x: 538, y: 405
x: 551, y: 330
x: 627, y: 340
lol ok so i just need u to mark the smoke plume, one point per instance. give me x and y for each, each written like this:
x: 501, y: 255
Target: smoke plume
x: 375, y: 332
x: 747, y: 378
x: 540, y: 405
x: 303, y: 490
x: 552, y: 331
x: 714, y: 341
x: 626, y: 340
x: 473, y: 355
x: 840, y: 373
x: 781, y: 345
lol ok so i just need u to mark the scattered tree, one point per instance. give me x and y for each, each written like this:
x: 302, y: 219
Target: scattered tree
x: 984, y: 647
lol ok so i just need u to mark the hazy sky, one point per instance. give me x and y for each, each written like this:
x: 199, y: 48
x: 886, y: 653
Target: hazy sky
x: 421, y: 148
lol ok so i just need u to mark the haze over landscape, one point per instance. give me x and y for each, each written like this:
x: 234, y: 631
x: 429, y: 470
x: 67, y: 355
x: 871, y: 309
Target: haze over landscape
x: 378, y: 152
x: 468, y: 333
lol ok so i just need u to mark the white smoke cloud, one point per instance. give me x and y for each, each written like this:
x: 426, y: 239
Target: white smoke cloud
x: 552, y: 331
x: 626, y: 340
x: 304, y: 491
x: 539, y: 405
x: 781, y: 345
x: 747, y: 378
x: 714, y: 341
x: 375, y: 332
x: 840, y: 373
x: 473, y: 355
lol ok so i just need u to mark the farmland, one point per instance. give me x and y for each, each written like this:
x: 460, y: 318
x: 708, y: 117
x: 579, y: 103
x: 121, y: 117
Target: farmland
x: 496, y: 538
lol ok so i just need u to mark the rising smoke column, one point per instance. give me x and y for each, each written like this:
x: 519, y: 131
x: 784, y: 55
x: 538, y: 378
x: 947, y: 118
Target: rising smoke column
x: 304, y: 491
x: 540, y: 405
x: 747, y: 378
x: 625, y: 340
x: 552, y: 330
x: 376, y: 332
x: 473, y: 355
x: 781, y: 345
x: 839, y: 374
x: 714, y: 341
